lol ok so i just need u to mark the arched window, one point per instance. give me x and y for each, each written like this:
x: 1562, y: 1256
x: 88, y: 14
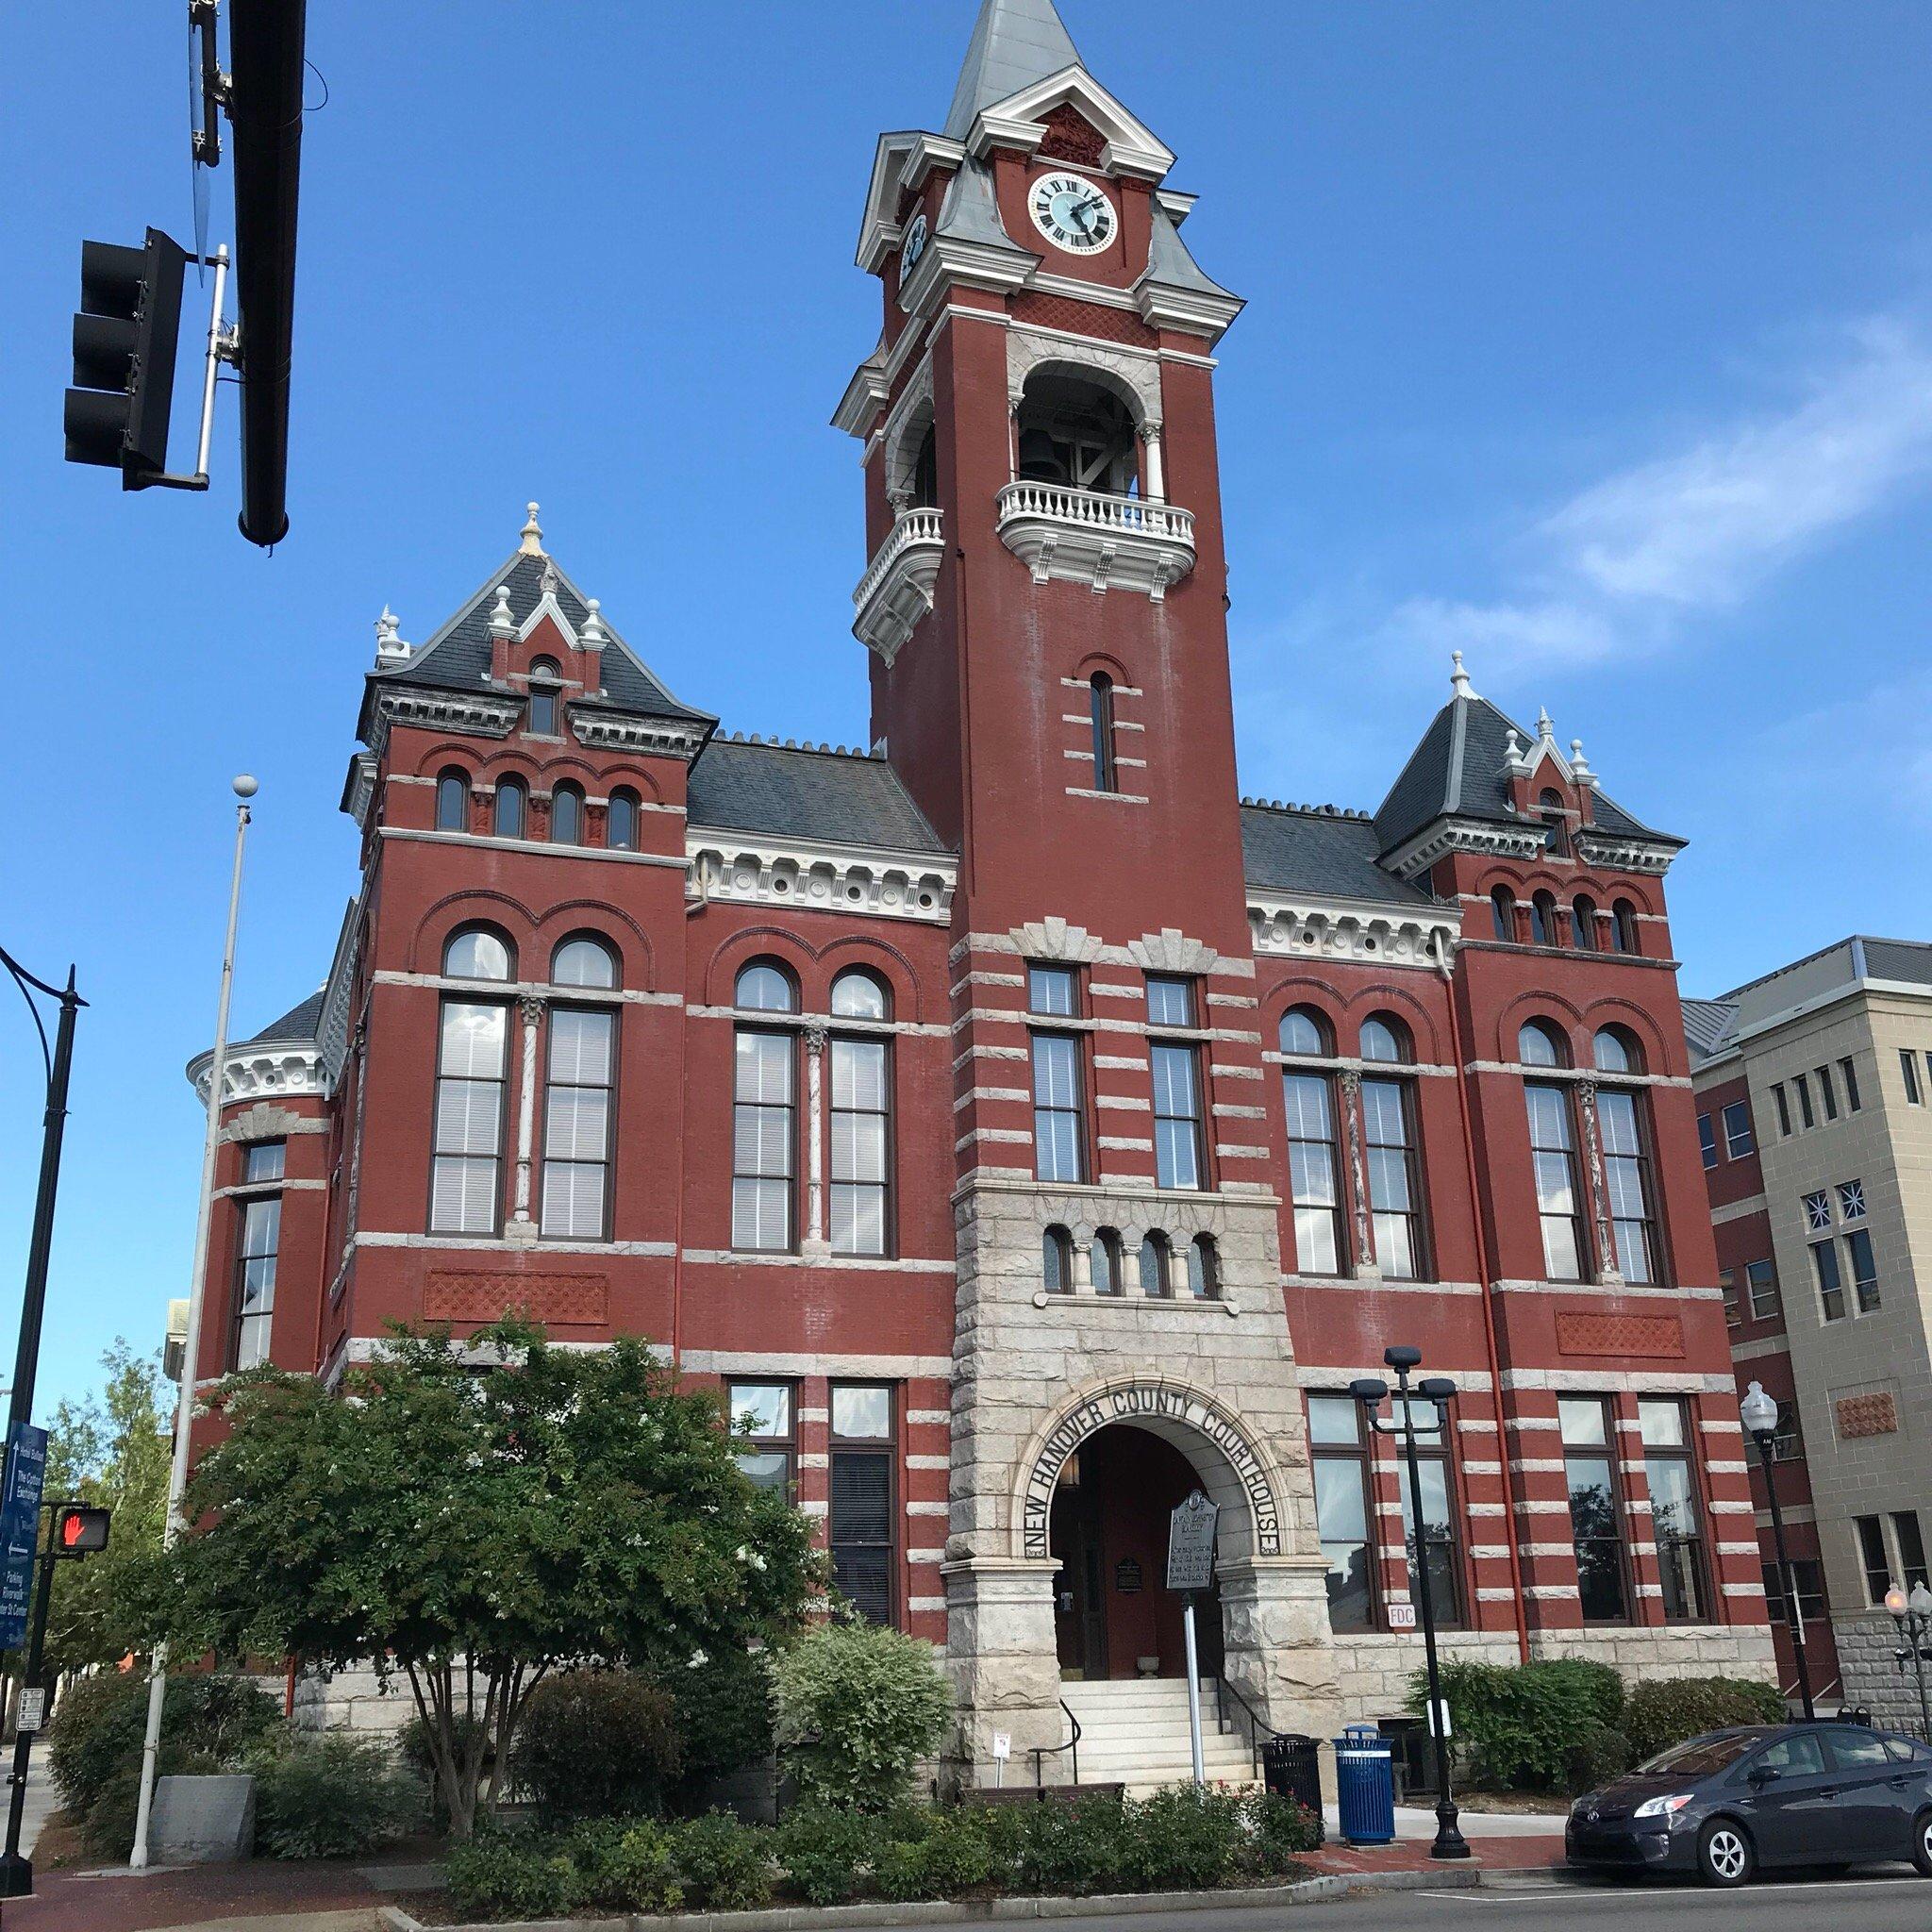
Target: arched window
x: 584, y: 961
x: 1204, y: 1269
x: 622, y: 826
x: 1106, y: 1262
x: 1303, y: 1033
x: 1385, y: 1037
x: 1538, y: 1045
x: 1615, y: 1051
x: 765, y: 988
x: 544, y: 678
x: 1313, y: 1170
x: 1057, y: 1260
x: 1624, y: 926
x: 1556, y: 826
x: 1542, y: 920
x: 1154, y: 1259
x: 1502, y: 909
x: 1100, y: 712
x: 453, y: 801
x: 567, y: 816
x: 1073, y: 431
x: 512, y: 808
x: 1558, y: 1196
x: 1623, y: 1130
x: 476, y: 952
x: 1584, y: 913
x: 857, y: 996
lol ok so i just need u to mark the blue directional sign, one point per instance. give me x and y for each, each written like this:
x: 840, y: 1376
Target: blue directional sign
x: 20, y: 1522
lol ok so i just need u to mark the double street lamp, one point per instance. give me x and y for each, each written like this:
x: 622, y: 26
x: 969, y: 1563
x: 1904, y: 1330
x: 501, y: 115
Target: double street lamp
x: 1438, y: 1391
x: 1759, y: 1413
x: 1912, y: 1614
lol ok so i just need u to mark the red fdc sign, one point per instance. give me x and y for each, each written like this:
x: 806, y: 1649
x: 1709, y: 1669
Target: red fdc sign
x: 81, y: 1532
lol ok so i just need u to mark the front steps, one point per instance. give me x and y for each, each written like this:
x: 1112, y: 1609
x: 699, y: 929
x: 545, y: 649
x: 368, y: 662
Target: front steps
x: 1134, y: 1731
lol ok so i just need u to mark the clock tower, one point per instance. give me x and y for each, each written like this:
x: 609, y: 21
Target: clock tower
x: 1046, y: 610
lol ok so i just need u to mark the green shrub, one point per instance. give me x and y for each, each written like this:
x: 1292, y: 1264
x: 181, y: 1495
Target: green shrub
x: 725, y: 1866
x: 1518, y: 1723
x: 625, y: 1865
x: 329, y: 1795
x: 949, y: 1858
x: 510, y: 1876
x: 1665, y: 1711
x: 1081, y: 1847
x: 1186, y: 1837
x: 1600, y: 1754
x: 859, y: 1707
x: 1279, y: 1830
x: 595, y: 1745
x: 722, y: 1711
x: 823, y: 1851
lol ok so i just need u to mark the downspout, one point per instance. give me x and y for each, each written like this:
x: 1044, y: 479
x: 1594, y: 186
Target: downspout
x: 1488, y: 1267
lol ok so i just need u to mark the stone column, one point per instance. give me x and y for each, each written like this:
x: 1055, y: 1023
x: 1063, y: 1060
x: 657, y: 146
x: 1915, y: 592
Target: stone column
x: 1153, y: 478
x: 1608, y: 1270
x: 1349, y: 1087
x: 1002, y: 1657
x: 1274, y: 1634
x: 522, y: 1226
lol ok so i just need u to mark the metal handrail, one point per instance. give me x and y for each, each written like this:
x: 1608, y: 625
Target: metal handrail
x: 1045, y: 1751
x: 1255, y: 1727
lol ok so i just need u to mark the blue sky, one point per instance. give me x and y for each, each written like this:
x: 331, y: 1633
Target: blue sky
x: 1594, y: 340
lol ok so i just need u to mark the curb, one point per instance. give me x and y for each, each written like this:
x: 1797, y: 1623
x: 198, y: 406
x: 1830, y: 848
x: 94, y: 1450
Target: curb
x: 942, y: 1913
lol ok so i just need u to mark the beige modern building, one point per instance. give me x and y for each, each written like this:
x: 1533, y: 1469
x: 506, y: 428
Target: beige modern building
x: 1814, y: 1090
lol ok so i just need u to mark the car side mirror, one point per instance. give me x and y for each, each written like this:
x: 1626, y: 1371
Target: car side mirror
x: 1765, y: 1774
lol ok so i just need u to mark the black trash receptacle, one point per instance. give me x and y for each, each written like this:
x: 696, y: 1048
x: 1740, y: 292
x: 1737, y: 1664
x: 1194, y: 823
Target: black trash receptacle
x: 1292, y: 1768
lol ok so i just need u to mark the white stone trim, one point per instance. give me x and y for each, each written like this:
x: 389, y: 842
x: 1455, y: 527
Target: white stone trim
x: 865, y: 880
x: 1310, y: 927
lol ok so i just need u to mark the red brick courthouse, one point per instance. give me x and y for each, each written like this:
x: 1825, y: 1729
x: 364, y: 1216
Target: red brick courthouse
x: 1022, y: 1126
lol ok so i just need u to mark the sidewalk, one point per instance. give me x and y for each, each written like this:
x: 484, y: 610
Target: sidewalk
x: 256, y: 1896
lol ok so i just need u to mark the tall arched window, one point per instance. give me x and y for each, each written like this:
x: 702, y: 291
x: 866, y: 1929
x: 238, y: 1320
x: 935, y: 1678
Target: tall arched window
x: 1105, y: 1259
x: 584, y: 961
x: 1584, y: 913
x: 471, y: 1077
x: 860, y: 1121
x: 1625, y: 1132
x: 1153, y: 1260
x: 1542, y: 919
x: 512, y: 808
x: 477, y: 951
x: 1553, y: 1155
x: 567, y: 816
x: 620, y: 832
x: 1389, y: 1136
x: 764, y: 1139
x: 1503, y: 912
x: 1100, y: 708
x: 1057, y: 1260
x: 544, y: 681
x: 1204, y: 1269
x: 1313, y: 1170
x: 1624, y: 926
x: 453, y: 801
x: 579, y: 1082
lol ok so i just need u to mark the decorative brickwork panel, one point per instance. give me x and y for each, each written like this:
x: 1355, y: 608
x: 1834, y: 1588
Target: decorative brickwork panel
x: 1082, y: 319
x: 567, y: 1301
x: 1071, y: 136
x: 1637, y: 1336
x: 1867, y: 1415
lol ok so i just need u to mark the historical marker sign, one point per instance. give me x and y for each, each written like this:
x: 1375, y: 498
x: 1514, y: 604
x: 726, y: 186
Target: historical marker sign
x: 20, y: 1522
x: 1191, y: 1543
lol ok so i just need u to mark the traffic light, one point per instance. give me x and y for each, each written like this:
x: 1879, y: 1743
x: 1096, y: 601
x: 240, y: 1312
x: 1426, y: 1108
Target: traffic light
x: 125, y: 339
x: 79, y: 1531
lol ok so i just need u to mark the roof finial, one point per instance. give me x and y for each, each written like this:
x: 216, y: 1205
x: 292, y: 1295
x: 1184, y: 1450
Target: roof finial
x: 1459, y: 678
x: 592, y: 637
x: 390, y: 648
x: 1544, y: 728
x: 532, y: 544
x: 502, y: 624
x: 1580, y: 765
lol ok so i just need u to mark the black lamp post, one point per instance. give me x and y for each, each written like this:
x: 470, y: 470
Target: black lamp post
x: 1371, y: 1393
x: 1758, y: 1412
x: 1913, y: 1615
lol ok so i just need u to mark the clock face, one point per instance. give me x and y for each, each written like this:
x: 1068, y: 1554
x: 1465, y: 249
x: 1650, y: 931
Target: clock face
x: 912, y: 248
x: 1072, y: 213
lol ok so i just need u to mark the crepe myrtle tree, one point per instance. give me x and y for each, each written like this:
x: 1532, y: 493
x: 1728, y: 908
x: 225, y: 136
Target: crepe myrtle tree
x: 473, y: 1515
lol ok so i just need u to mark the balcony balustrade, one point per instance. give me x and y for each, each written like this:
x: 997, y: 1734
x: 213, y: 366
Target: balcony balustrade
x: 1084, y: 536
x: 896, y: 590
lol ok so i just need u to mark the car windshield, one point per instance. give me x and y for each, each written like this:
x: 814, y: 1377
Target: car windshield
x: 1700, y: 1758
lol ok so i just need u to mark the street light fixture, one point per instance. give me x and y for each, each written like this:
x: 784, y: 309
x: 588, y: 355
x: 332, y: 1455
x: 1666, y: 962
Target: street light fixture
x: 1371, y: 1392
x: 1913, y: 1615
x: 1759, y: 1413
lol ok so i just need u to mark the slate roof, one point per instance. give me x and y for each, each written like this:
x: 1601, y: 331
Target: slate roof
x: 1457, y: 771
x: 1709, y: 1028
x: 1171, y: 263
x: 1291, y: 849
x: 1014, y: 43
x: 298, y: 1022
x: 790, y: 792
x: 457, y: 656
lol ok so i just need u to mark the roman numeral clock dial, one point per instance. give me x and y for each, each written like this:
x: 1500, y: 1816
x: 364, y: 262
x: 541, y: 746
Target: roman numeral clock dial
x: 1072, y: 213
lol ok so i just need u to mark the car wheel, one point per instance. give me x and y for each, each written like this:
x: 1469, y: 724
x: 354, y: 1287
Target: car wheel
x: 1922, y: 1843
x: 1724, y: 1853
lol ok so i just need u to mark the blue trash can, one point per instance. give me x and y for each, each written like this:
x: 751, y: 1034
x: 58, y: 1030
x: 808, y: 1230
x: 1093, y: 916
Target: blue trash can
x: 1365, y: 1786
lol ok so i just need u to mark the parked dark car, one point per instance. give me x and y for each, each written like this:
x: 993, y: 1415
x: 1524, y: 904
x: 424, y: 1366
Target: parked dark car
x: 1725, y: 1803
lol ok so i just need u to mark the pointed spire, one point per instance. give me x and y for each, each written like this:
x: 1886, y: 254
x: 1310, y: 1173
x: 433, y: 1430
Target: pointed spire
x: 502, y: 624
x: 532, y: 544
x: 1014, y: 43
x: 1458, y: 679
x: 1545, y: 730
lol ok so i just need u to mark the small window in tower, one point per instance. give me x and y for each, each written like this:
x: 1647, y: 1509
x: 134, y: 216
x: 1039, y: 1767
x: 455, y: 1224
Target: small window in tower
x: 513, y: 802
x: 622, y: 833
x: 544, y: 676
x: 1584, y: 916
x: 1555, y: 825
x: 453, y: 801
x: 925, y: 473
x: 567, y: 816
x: 1542, y: 919
x: 1101, y: 711
x: 1503, y: 906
